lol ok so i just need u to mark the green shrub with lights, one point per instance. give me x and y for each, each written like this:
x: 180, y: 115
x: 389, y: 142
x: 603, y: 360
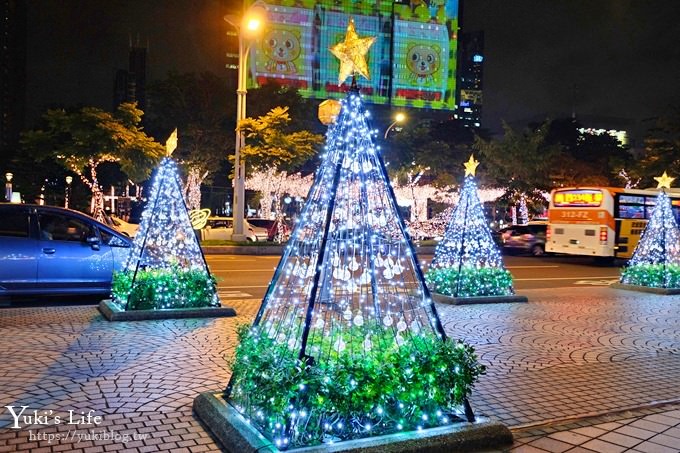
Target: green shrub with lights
x: 470, y: 281
x: 652, y: 275
x: 157, y: 289
x: 409, y: 386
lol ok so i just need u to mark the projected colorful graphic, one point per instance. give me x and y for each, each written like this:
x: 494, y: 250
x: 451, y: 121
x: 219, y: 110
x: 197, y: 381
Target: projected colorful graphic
x: 412, y: 63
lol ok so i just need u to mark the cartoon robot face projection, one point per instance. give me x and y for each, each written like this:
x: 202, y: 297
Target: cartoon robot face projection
x: 423, y: 61
x: 282, y: 48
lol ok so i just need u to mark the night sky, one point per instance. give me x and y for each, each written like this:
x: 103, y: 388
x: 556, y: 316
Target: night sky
x: 615, y: 58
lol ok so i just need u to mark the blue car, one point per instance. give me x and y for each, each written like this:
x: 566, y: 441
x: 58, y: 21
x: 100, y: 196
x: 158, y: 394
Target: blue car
x: 46, y: 250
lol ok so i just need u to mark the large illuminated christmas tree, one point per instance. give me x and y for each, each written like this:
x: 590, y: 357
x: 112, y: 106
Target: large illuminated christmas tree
x: 656, y: 259
x: 166, y: 268
x: 467, y: 261
x: 347, y: 342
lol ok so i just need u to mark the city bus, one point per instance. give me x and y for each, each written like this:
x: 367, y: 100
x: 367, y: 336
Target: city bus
x: 602, y: 222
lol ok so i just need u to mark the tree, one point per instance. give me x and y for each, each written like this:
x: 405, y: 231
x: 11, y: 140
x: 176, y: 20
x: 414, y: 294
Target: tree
x: 662, y: 149
x: 302, y: 111
x: 435, y: 148
x: 272, y: 147
x: 270, y: 142
x: 586, y: 157
x: 521, y: 161
x: 82, y: 140
x: 195, y: 104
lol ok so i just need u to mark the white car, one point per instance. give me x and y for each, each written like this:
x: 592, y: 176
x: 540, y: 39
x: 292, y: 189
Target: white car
x: 222, y: 228
x: 128, y: 229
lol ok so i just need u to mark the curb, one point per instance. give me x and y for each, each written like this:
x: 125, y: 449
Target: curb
x: 646, y: 289
x: 272, y: 250
x: 243, y: 249
x: 112, y: 312
x: 236, y: 435
x: 589, y: 415
x: 443, y: 299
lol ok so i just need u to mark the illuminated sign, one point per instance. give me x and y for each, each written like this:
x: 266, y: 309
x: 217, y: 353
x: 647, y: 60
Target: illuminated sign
x: 412, y: 63
x: 199, y: 218
x: 577, y: 198
x: 474, y: 96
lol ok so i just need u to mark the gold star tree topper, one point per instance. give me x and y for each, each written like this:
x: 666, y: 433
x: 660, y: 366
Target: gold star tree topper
x: 352, y: 54
x: 471, y: 166
x: 664, y: 181
x: 171, y: 143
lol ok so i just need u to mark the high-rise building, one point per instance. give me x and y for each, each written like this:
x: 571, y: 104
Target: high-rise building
x: 12, y: 75
x: 470, y: 83
x: 130, y: 84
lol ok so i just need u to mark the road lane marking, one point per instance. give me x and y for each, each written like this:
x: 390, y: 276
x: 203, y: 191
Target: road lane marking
x: 249, y: 270
x: 601, y: 282
x: 211, y: 258
x: 237, y: 258
x: 564, y: 278
x: 238, y: 287
x: 530, y: 267
x: 232, y: 294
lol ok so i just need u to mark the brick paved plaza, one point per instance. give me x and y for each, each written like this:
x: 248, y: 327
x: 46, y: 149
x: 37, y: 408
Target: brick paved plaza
x: 592, y: 369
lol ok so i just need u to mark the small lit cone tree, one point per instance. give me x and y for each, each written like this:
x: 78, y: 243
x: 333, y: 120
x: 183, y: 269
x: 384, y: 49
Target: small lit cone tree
x: 166, y: 267
x: 656, y: 259
x: 347, y: 342
x: 467, y: 261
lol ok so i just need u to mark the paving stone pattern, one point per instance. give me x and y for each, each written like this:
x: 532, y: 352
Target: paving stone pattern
x: 567, y: 353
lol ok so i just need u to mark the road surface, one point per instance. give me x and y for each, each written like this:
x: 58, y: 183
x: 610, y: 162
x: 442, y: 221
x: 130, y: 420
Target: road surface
x: 246, y: 276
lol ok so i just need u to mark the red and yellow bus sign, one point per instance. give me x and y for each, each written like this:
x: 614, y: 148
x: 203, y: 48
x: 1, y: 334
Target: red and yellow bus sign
x: 577, y: 198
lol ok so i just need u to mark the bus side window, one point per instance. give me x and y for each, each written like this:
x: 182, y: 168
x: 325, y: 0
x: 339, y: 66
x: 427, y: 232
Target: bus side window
x: 631, y: 211
x: 676, y: 214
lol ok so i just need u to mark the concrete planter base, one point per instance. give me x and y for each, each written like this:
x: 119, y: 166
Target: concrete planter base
x: 238, y: 436
x: 113, y: 312
x: 646, y: 289
x: 441, y: 298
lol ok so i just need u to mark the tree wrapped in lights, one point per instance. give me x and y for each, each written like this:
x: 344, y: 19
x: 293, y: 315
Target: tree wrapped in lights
x: 523, y: 212
x: 656, y: 259
x: 166, y: 267
x: 347, y: 342
x: 467, y: 262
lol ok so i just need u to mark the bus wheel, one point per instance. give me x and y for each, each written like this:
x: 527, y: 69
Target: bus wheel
x: 604, y: 260
x: 537, y: 250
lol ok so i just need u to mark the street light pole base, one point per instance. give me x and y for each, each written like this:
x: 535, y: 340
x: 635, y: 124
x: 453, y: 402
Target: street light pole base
x: 239, y: 237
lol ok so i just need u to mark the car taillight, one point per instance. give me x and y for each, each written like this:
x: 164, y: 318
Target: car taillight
x: 548, y: 233
x: 603, y: 234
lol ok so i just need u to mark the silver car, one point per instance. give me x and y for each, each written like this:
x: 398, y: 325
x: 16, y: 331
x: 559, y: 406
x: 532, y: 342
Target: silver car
x: 524, y: 239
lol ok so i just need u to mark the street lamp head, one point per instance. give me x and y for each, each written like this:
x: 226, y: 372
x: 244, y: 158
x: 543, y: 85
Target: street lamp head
x: 400, y: 117
x: 9, y: 176
x: 253, y: 24
x: 250, y: 24
x: 253, y: 21
x: 69, y: 179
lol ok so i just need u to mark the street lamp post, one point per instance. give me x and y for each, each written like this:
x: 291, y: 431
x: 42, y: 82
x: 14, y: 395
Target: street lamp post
x: 8, y: 186
x: 247, y: 27
x: 67, y: 195
x: 398, y: 119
